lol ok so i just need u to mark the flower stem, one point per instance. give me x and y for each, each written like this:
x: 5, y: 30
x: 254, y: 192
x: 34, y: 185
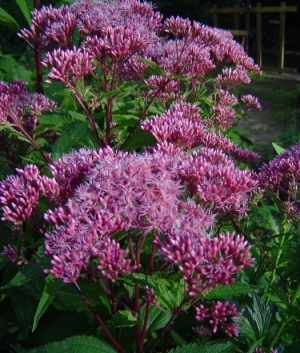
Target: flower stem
x: 38, y: 60
x: 97, y: 317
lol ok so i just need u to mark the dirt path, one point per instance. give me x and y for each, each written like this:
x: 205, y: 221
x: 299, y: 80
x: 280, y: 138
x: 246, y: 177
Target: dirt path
x: 279, y: 120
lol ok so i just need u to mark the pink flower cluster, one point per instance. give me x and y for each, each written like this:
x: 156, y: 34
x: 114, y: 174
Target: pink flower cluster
x: 50, y: 27
x: 182, y: 126
x: 117, y: 33
x: 168, y: 193
x: 99, y: 194
x: 68, y: 65
x: 21, y: 107
x: 205, y: 261
x: 11, y: 252
x: 282, y: 176
x: 260, y: 350
x: 218, y: 315
x: 126, y: 191
x: 19, y: 195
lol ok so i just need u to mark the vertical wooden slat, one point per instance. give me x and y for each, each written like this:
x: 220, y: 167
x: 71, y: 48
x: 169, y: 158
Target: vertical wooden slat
x: 247, y: 26
x: 258, y: 36
x: 236, y: 24
x: 281, y: 36
x: 215, y: 16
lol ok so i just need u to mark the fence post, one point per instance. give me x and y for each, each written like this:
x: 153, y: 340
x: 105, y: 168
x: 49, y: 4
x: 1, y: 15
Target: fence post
x: 215, y: 16
x: 236, y: 24
x: 258, y: 35
x: 281, y: 36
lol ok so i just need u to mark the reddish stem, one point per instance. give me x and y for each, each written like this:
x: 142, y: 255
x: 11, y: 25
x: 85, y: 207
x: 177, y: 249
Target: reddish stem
x: 38, y: 60
x: 98, y: 319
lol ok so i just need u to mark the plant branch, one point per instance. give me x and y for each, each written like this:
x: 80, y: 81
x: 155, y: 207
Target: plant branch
x: 98, y: 319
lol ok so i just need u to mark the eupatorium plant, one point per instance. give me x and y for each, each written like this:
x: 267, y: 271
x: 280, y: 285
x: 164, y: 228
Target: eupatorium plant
x: 135, y: 209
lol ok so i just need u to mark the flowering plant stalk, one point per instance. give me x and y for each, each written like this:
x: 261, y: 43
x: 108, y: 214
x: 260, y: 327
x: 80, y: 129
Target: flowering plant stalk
x: 133, y: 180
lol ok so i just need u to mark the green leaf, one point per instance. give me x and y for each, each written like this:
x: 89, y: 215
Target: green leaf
x: 139, y: 139
x: 157, y: 318
x: 77, y: 116
x: 24, y: 9
x: 141, y: 279
x: 58, y: 119
x: 51, y: 286
x: 67, y: 298
x: 177, y: 338
x: 66, y: 142
x: 254, y: 324
x: 254, y: 345
x: 209, y: 347
x: 230, y: 290
x: 28, y: 273
x: 170, y: 294
x: 76, y: 344
x: 123, y: 318
x: 7, y: 20
x: 153, y: 65
x: 277, y: 148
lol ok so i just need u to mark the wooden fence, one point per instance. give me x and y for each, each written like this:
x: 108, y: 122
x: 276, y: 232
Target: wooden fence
x: 258, y: 10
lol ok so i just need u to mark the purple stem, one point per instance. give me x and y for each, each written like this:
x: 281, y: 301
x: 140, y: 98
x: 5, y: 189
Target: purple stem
x: 38, y: 60
x: 98, y: 319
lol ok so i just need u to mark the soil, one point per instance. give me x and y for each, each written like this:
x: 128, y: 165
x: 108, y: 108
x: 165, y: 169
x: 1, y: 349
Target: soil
x: 279, y: 120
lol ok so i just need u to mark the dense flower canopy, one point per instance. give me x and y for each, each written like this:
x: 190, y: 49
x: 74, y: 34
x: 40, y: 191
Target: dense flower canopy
x: 98, y: 207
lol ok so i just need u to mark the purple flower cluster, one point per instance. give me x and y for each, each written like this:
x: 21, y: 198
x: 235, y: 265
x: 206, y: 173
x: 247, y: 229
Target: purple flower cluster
x: 68, y: 65
x: 202, y: 331
x: 182, y: 125
x: 204, y: 261
x: 11, y: 252
x: 19, y: 194
x: 105, y: 205
x: 116, y: 34
x: 218, y: 315
x: 50, y: 27
x: 260, y: 350
x: 282, y: 175
x: 20, y: 107
x: 145, y: 193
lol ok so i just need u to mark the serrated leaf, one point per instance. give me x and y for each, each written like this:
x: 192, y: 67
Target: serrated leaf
x: 51, y: 286
x: 77, y: 116
x: 60, y: 118
x: 141, y: 279
x: 209, y: 347
x: 168, y: 295
x: 76, y: 344
x: 230, y: 290
x: 254, y: 322
x: 25, y: 10
x: 7, y: 20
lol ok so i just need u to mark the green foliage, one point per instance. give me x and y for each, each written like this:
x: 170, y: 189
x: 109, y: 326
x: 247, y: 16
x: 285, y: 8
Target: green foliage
x: 51, y: 286
x: 76, y: 344
x: 7, y: 21
x: 40, y: 314
x: 211, y: 347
